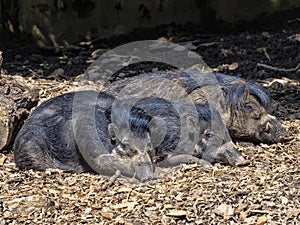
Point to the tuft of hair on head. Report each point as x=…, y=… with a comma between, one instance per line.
x=261, y=94
x=139, y=122
x=237, y=91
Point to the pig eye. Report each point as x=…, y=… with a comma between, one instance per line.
x=249, y=108
x=209, y=134
x=125, y=143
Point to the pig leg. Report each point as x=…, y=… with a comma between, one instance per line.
x=175, y=160
x=108, y=164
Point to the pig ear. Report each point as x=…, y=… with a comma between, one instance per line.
x=237, y=92
x=261, y=94
x=112, y=131
x=192, y=125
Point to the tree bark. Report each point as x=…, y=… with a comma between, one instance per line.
x=16, y=100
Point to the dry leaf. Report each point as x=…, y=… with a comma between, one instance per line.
x=224, y=210
x=125, y=205
x=27, y=203
x=243, y=215
x=52, y=191
x=88, y=210
x=2, y=159
x=295, y=211
x=297, y=37
x=106, y=215
x=233, y=66
x=124, y=189
x=177, y=213
x=65, y=195
x=168, y=206
x=284, y=200
x=179, y=197
x=261, y=220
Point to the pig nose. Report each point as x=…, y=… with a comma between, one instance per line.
x=237, y=160
x=233, y=156
x=276, y=131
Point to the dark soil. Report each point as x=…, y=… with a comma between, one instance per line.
x=273, y=45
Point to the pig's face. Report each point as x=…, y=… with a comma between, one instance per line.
x=215, y=144
x=137, y=151
x=254, y=123
x=226, y=153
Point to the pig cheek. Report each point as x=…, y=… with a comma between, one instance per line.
x=201, y=150
x=256, y=115
x=248, y=130
x=210, y=154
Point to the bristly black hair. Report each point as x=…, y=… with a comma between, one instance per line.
x=139, y=122
x=261, y=94
x=237, y=92
x=204, y=111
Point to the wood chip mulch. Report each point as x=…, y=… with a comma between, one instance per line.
x=265, y=192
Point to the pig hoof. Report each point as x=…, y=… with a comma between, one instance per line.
x=205, y=164
x=245, y=163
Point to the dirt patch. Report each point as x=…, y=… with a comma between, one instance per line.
x=265, y=192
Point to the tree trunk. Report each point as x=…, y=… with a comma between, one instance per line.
x=16, y=100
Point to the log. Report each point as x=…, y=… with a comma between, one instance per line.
x=16, y=100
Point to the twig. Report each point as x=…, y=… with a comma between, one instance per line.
x=263, y=211
x=294, y=20
x=264, y=51
x=208, y=44
x=266, y=54
x=278, y=69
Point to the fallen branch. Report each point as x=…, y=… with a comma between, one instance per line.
x=294, y=20
x=278, y=69
x=16, y=101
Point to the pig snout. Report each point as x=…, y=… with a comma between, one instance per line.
x=231, y=155
x=143, y=166
x=272, y=131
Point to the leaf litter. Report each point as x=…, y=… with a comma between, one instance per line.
x=265, y=192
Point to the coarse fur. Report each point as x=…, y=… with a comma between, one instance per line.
x=243, y=106
x=176, y=128
x=47, y=139
x=70, y=132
